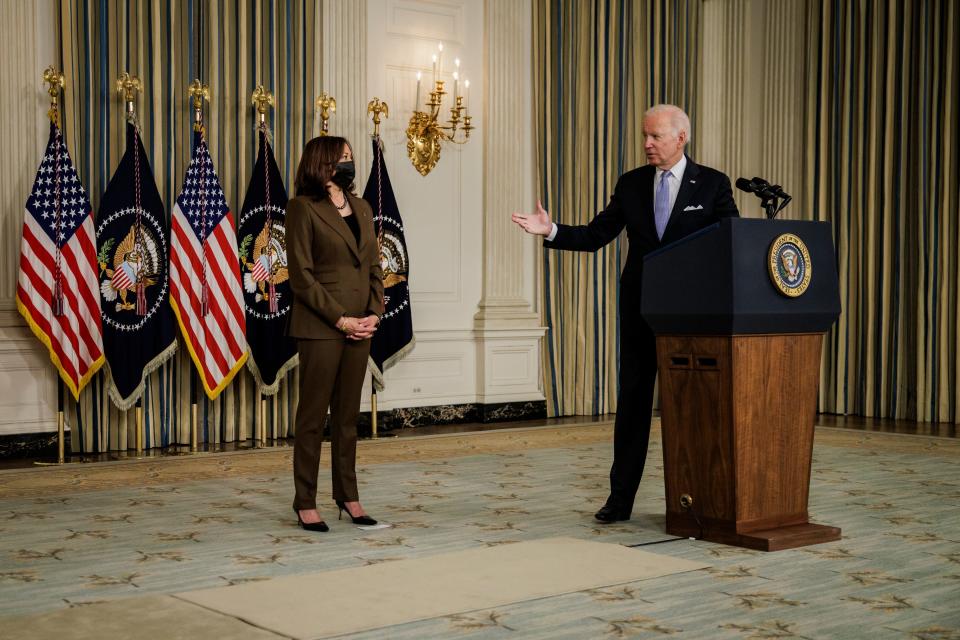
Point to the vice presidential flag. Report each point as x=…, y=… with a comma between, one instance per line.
x=263, y=265
x=57, y=291
x=133, y=248
x=205, y=289
x=394, y=337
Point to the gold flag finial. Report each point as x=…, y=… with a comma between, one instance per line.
x=262, y=100
x=327, y=105
x=375, y=108
x=127, y=87
x=199, y=92
x=55, y=81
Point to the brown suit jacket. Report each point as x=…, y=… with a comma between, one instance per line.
x=331, y=276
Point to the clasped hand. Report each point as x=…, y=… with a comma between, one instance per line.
x=537, y=223
x=359, y=328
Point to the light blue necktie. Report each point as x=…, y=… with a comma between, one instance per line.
x=661, y=204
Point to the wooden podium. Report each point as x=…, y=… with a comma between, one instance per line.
x=739, y=310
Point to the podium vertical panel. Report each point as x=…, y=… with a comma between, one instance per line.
x=698, y=444
x=775, y=403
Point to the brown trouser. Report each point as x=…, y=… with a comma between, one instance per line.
x=331, y=376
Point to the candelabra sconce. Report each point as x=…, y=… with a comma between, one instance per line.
x=327, y=105
x=425, y=133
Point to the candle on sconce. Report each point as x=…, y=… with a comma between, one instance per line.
x=434, y=69
x=416, y=104
x=456, y=73
x=466, y=99
x=456, y=83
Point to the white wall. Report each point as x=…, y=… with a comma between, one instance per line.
x=28, y=392
x=455, y=360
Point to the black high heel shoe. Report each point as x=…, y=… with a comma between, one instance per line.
x=311, y=526
x=365, y=520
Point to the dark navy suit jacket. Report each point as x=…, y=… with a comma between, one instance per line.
x=705, y=196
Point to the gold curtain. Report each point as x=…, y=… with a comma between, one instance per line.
x=598, y=66
x=232, y=47
x=882, y=167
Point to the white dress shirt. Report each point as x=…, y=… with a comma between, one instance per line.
x=676, y=171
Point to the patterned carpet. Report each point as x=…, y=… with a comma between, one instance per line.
x=88, y=533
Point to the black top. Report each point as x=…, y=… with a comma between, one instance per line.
x=354, y=226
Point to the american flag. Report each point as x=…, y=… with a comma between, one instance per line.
x=58, y=215
x=205, y=288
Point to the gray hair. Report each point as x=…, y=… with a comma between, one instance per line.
x=678, y=117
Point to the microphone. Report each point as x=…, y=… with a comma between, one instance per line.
x=761, y=187
x=747, y=185
x=768, y=194
x=774, y=190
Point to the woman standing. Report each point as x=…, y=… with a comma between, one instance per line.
x=337, y=288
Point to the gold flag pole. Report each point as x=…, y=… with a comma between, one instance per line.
x=199, y=92
x=54, y=80
x=127, y=88
x=262, y=102
x=140, y=434
x=327, y=105
x=375, y=108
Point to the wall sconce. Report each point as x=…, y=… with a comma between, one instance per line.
x=425, y=133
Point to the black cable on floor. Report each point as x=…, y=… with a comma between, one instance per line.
x=647, y=544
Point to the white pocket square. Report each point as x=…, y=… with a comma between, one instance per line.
x=691, y=207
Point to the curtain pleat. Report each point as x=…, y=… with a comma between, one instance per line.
x=883, y=170
x=232, y=47
x=597, y=67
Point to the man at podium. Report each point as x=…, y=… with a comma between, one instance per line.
x=669, y=198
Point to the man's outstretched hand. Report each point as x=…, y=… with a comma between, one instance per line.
x=537, y=223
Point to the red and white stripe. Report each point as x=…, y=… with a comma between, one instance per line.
x=259, y=272
x=121, y=280
x=217, y=341
x=75, y=339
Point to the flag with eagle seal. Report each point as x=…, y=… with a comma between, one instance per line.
x=263, y=267
x=133, y=243
x=394, y=338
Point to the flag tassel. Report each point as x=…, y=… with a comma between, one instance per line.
x=141, y=299
x=204, y=300
x=274, y=307
x=57, y=302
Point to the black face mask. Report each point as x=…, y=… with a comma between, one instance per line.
x=345, y=174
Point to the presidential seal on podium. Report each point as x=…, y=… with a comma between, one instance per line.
x=790, y=266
